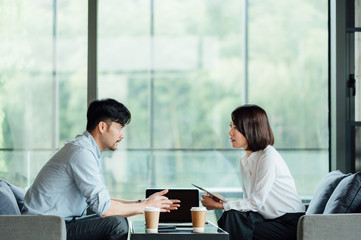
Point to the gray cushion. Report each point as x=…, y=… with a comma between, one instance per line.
x=323, y=192
x=32, y=228
x=329, y=227
x=8, y=204
x=19, y=194
x=347, y=196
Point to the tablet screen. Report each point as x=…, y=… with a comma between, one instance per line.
x=214, y=196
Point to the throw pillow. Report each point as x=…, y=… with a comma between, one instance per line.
x=8, y=204
x=347, y=196
x=18, y=192
x=324, y=191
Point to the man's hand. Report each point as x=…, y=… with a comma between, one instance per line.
x=160, y=201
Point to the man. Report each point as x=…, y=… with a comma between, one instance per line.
x=71, y=181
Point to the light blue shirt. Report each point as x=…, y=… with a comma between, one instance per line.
x=70, y=182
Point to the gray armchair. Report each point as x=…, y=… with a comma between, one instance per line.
x=14, y=226
x=329, y=227
x=32, y=227
x=335, y=209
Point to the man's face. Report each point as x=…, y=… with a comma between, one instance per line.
x=113, y=135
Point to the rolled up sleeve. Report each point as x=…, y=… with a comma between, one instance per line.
x=88, y=178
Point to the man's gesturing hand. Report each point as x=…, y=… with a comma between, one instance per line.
x=160, y=201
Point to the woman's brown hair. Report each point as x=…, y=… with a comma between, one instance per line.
x=252, y=122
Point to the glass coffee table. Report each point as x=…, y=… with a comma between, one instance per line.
x=211, y=232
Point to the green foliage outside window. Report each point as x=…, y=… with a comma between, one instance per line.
x=194, y=59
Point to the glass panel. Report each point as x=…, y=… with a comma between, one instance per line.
x=308, y=167
x=358, y=76
x=126, y=173
x=42, y=82
x=289, y=70
x=357, y=13
x=191, y=113
x=26, y=74
x=71, y=64
x=178, y=66
x=198, y=66
x=26, y=109
x=168, y=170
x=132, y=90
x=21, y=167
x=182, y=168
x=124, y=62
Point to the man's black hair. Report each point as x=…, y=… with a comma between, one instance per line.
x=105, y=110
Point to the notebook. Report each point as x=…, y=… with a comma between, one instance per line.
x=182, y=216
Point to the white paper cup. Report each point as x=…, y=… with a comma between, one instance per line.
x=198, y=219
x=151, y=230
x=151, y=219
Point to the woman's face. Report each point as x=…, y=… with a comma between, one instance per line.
x=237, y=138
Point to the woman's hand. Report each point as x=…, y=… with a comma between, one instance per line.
x=211, y=203
x=160, y=201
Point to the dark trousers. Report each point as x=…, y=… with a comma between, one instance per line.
x=93, y=227
x=252, y=226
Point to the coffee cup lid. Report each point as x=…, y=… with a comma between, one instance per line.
x=152, y=209
x=198, y=209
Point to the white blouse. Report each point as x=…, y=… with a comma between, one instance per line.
x=268, y=187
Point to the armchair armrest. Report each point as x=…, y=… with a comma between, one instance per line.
x=329, y=226
x=32, y=227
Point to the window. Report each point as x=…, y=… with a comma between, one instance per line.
x=353, y=66
x=42, y=82
x=181, y=67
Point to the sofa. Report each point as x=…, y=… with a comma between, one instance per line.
x=15, y=226
x=335, y=209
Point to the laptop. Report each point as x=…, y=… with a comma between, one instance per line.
x=182, y=216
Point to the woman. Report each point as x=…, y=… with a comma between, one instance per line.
x=270, y=207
